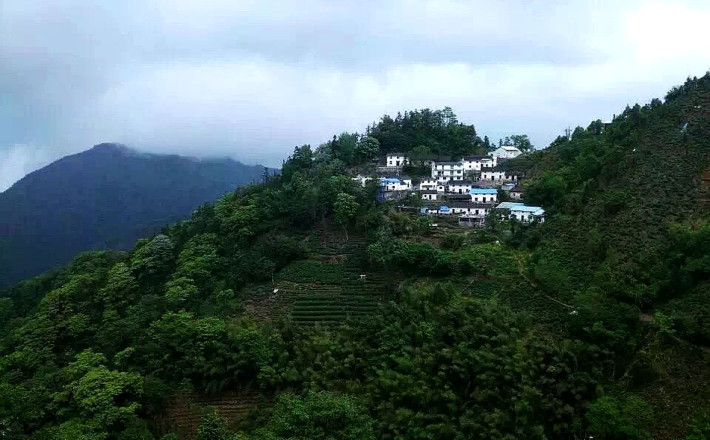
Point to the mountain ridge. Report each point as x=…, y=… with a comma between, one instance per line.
x=92, y=190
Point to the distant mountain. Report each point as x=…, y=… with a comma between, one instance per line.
x=106, y=197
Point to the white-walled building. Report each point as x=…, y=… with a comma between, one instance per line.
x=476, y=163
x=484, y=195
x=362, y=180
x=492, y=175
x=506, y=152
x=468, y=209
x=514, y=176
x=395, y=184
x=429, y=195
x=396, y=159
x=516, y=193
x=459, y=186
x=447, y=171
x=523, y=212
x=428, y=184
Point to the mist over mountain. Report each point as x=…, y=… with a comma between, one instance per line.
x=105, y=197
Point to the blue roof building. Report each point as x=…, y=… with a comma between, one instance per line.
x=482, y=191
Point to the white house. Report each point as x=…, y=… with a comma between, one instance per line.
x=427, y=184
x=506, y=152
x=516, y=193
x=431, y=210
x=395, y=184
x=429, y=195
x=523, y=212
x=492, y=175
x=362, y=180
x=484, y=195
x=475, y=163
x=447, y=171
x=514, y=176
x=396, y=159
x=468, y=209
x=459, y=186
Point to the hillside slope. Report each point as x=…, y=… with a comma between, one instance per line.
x=106, y=197
x=303, y=308
x=618, y=190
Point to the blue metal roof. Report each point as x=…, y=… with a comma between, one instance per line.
x=483, y=191
x=389, y=180
x=525, y=208
x=443, y=208
x=516, y=206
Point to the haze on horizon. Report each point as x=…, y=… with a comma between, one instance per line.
x=252, y=79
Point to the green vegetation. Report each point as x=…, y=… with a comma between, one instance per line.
x=342, y=318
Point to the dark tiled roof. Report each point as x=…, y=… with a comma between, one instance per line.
x=470, y=205
x=476, y=158
x=459, y=196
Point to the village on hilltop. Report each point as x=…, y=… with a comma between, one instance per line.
x=469, y=188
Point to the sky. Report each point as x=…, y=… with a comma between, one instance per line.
x=252, y=79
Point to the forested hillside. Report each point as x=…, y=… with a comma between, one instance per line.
x=106, y=197
x=301, y=308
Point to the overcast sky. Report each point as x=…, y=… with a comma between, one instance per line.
x=252, y=79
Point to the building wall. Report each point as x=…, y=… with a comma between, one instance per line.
x=505, y=154
x=396, y=161
x=524, y=216
x=484, y=198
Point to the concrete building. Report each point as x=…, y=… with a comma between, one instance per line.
x=522, y=212
x=396, y=159
x=484, y=195
x=447, y=171
x=506, y=152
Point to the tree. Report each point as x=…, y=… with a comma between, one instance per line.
x=107, y=398
x=520, y=141
x=345, y=208
x=367, y=148
x=153, y=260
x=619, y=419
x=212, y=427
x=699, y=427
x=317, y=416
x=121, y=287
x=420, y=153
x=344, y=147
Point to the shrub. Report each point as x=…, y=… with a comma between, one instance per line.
x=453, y=241
x=621, y=419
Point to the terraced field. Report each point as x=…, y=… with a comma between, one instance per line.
x=183, y=413
x=328, y=288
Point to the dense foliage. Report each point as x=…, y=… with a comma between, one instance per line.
x=350, y=320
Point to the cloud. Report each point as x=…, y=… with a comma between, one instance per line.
x=19, y=160
x=252, y=79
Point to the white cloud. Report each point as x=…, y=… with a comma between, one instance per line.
x=253, y=79
x=18, y=160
